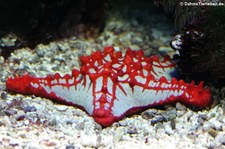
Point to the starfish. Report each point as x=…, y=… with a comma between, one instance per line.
x=111, y=85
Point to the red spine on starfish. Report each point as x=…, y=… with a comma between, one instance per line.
x=111, y=85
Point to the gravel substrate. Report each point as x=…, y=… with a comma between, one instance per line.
x=34, y=122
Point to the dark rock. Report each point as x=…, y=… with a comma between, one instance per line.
x=3, y=95
x=132, y=131
x=173, y=124
x=20, y=117
x=158, y=119
x=70, y=147
x=149, y=114
x=10, y=112
x=29, y=109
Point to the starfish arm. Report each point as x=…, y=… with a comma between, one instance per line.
x=69, y=89
x=196, y=95
x=133, y=99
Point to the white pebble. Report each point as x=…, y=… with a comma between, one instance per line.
x=168, y=129
x=217, y=125
x=14, y=142
x=89, y=140
x=61, y=107
x=26, y=122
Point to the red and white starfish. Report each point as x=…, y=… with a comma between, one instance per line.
x=110, y=85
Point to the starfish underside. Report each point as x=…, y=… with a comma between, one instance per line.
x=110, y=85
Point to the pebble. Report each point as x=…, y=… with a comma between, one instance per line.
x=212, y=132
x=8, y=40
x=202, y=118
x=3, y=95
x=132, y=131
x=10, y=111
x=118, y=134
x=180, y=106
x=1, y=59
x=136, y=40
x=14, y=142
x=70, y=147
x=117, y=48
x=170, y=115
x=149, y=114
x=89, y=140
x=165, y=39
x=61, y=107
x=156, y=33
x=158, y=119
x=26, y=122
x=29, y=108
x=165, y=49
x=64, y=46
x=6, y=121
x=173, y=124
x=155, y=44
x=168, y=129
x=220, y=140
x=217, y=125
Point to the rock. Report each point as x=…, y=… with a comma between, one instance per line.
x=149, y=114
x=6, y=121
x=165, y=49
x=14, y=142
x=180, y=106
x=3, y=95
x=89, y=140
x=168, y=129
x=1, y=59
x=217, y=125
x=220, y=140
x=26, y=122
x=158, y=119
x=61, y=107
x=156, y=33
